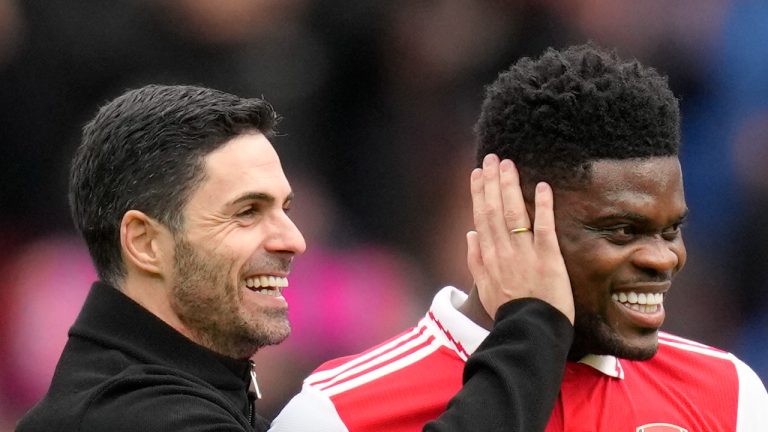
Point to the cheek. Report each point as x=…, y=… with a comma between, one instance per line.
x=234, y=251
x=592, y=271
x=585, y=283
x=580, y=274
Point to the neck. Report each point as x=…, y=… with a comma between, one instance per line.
x=153, y=294
x=473, y=309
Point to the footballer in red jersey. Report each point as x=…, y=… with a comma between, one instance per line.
x=605, y=134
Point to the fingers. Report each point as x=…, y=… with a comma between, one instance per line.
x=493, y=208
x=507, y=266
x=504, y=204
x=477, y=187
x=555, y=278
x=498, y=206
x=515, y=214
x=545, y=237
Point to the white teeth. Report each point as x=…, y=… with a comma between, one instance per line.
x=266, y=282
x=271, y=292
x=646, y=302
x=641, y=298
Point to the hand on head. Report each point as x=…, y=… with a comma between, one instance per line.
x=508, y=258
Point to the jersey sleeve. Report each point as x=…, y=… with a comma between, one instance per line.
x=310, y=410
x=753, y=400
x=512, y=381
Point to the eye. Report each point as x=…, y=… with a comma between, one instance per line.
x=287, y=206
x=621, y=234
x=247, y=212
x=672, y=232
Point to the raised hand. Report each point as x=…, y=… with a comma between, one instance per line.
x=507, y=257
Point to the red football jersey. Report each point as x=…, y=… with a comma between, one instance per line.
x=403, y=383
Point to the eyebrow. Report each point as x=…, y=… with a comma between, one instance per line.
x=639, y=218
x=259, y=196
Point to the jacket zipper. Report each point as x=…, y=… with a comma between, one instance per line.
x=253, y=393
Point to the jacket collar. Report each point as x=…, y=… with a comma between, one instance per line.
x=114, y=320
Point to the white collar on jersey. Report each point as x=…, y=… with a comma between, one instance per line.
x=606, y=364
x=458, y=332
x=463, y=336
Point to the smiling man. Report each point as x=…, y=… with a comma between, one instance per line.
x=237, y=236
x=604, y=133
x=621, y=234
x=183, y=204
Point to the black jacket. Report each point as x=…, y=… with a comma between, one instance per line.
x=123, y=369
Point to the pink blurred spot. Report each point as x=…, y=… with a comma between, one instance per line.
x=48, y=281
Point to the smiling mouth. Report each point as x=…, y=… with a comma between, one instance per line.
x=268, y=285
x=640, y=302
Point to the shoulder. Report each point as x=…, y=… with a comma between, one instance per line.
x=309, y=410
x=678, y=349
x=148, y=379
x=148, y=398
x=410, y=376
x=680, y=354
x=721, y=371
x=712, y=365
x=410, y=354
x=158, y=411
x=155, y=398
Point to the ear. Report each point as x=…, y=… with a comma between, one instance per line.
x=145, y=242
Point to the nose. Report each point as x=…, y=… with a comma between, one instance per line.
x=285, y=236
x=660, y=256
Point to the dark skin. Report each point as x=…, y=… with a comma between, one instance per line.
x=620, y=237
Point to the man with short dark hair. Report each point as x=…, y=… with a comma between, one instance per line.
x=604, y=133
x=183, y=204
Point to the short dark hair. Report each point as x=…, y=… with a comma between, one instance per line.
x=555, y=115
x=144, y=150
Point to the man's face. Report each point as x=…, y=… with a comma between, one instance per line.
x=621, y=241
x=235, y=251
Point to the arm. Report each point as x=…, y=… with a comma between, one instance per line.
x=512, y=381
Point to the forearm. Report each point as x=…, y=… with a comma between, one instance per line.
x=512, y=381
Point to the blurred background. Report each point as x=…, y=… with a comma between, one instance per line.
x=378, y=100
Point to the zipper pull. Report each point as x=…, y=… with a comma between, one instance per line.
x=253, y=388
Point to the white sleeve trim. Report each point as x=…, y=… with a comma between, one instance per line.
x=310, y=410
x=753, y=400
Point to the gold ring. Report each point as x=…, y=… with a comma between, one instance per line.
x=519, y=230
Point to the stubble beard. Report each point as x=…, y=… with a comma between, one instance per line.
x=594, y=335
x=211, y=307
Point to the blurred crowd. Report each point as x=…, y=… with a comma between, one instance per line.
x=378, y=100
